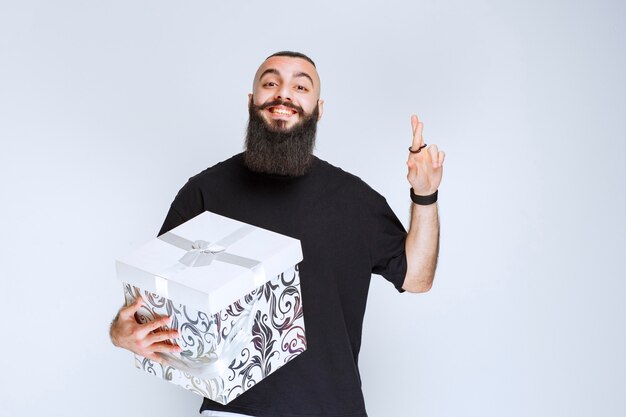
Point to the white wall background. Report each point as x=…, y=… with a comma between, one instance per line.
x=106, y=108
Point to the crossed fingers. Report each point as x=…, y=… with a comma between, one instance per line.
x=435, y=157
x=425, y=165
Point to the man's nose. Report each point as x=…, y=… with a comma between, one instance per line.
x=283, y=94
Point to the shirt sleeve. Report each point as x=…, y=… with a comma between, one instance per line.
x=188, y=203
x=387, y=243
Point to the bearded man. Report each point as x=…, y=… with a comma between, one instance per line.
x=347, y=231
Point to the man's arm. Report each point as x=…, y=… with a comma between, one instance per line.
x=422, y=248
x=422, y=242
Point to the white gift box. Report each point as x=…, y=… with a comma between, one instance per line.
x=233, y=292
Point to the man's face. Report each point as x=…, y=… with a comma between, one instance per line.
x=286, y=90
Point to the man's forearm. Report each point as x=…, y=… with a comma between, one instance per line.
x=422, y=248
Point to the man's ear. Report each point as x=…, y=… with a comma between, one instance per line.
x=320, y=105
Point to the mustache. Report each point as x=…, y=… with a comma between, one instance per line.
x=280, y=103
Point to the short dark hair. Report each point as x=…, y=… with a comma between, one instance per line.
x=292, y=54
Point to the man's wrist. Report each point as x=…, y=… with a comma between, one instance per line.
x=424, y=200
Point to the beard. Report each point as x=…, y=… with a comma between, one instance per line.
x=271, y=148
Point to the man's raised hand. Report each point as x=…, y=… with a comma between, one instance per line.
x=425, y=167
x=147, y=339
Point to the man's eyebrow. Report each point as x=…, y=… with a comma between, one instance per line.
x=269, y=71
x=304, y=74
x=276, y=72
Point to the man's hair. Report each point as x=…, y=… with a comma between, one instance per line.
x=292, y=54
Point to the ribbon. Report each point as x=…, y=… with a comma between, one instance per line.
x=203, y=253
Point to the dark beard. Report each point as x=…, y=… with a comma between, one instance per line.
x=272, y=149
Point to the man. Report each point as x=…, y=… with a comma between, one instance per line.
x=346, y=229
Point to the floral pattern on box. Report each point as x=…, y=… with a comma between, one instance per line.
x=229, y=352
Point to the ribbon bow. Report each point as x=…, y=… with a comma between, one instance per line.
x=202, y=253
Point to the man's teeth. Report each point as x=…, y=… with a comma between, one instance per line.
x=281, y=111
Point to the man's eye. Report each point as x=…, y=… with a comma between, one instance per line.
x=301, y=88
x=270, y=84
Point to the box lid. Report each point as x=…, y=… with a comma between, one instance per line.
x=209, y=261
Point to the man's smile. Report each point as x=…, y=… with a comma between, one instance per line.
x=281, y=112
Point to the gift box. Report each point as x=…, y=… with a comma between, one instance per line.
x=233, y=292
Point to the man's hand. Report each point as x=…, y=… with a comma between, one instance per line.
x=146, y=340
x=425, y=167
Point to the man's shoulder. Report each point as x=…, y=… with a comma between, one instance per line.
x=339, y=174
x=346, y=179
x=219, y=170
